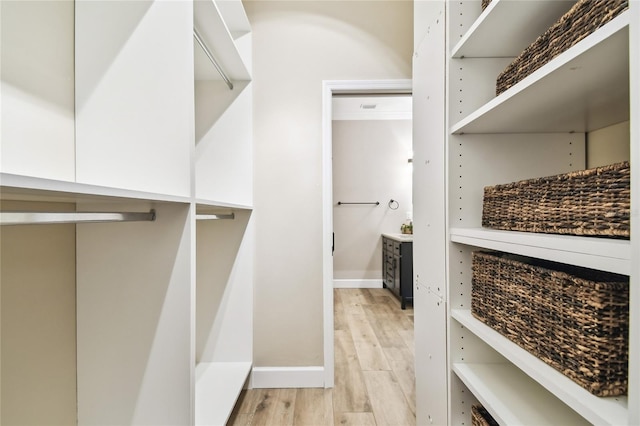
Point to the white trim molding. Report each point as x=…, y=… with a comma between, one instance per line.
x=357, y=283
x=287, y=377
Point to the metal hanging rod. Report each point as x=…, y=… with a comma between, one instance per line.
x=377, y=203
x=212, y=58
x=41, y=218
x=215, y=216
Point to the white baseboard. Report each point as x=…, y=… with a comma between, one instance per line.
x=287, y=377
x=357, y=283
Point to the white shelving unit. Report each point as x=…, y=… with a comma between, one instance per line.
x=143, y=322
x=538, y=127
x=534, y=375
x=594, y=91
x=224, y=249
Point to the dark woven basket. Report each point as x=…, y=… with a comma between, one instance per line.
x=574, y=319
x=485, y=3
x=481, y=417
x=594, y=202
x=582, y=19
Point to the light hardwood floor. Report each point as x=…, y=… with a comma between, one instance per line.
x=374, y=371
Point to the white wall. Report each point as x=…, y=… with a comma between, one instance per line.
x=297, y=45
x=38, y=321
x=608, y=145
x=369, y=164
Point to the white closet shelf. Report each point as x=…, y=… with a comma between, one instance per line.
x=218, y=385
x=605, y=254
x=505, y=28
x=211, y=25
x=493, y=385
x=234, y=15
x=610, y=411
x=26, y=188
x=583, y=89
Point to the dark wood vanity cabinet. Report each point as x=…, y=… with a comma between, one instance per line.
x=397, y=268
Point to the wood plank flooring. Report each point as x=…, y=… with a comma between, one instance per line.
x=374, y=371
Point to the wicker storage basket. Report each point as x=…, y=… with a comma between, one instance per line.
x=481, y=417
x=593, y=202
x=574, y=319
x=485, y=3
x=581, y=20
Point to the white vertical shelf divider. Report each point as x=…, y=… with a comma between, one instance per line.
x=133, y=294
x=133, y=131
x=429, y=215
x=634, y=314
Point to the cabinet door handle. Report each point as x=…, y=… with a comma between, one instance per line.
x=333, y=242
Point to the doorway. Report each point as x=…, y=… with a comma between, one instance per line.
x=329, y=90
x=372, y=179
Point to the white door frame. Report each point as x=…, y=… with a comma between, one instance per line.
x=329, y=88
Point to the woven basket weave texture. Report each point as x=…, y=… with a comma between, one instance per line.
x=574, y=319
x=582, y=19
x=595, y=202
x=481, y=417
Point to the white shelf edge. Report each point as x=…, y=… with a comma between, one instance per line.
x=611, y=255
x=18, y=187
x=493, y=385
x=218, y=385
x=611, y=411
x=528, y=83
x=27, y=188
x=531, y=20
x=210, y=23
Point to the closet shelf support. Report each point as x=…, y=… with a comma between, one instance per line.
x=212, y=58
x=215, y=216
x=42, y=218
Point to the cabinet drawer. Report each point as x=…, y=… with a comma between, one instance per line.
x=396, y=248
x=388, y=267
x=389, y=281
